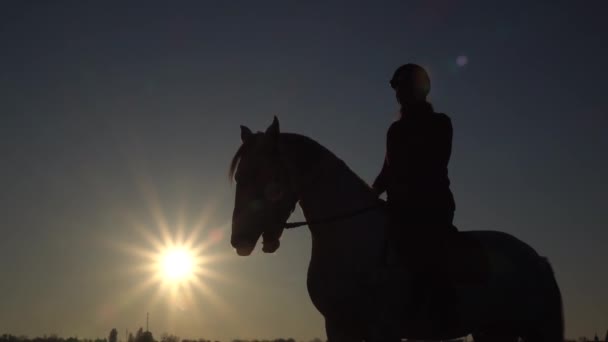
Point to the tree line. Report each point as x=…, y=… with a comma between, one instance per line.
x=139, y=336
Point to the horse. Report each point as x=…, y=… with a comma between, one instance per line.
x=359, y=294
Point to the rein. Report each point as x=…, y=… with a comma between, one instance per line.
x=290, y=225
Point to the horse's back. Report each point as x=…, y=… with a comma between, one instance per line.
x=500, y=244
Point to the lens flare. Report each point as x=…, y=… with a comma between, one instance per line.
x=462, y=60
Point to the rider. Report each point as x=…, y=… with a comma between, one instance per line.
x=415, y=177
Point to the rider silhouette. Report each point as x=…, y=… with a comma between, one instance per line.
x=415, y=177
x=418, y=148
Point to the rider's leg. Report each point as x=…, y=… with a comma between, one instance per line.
x=445, y=291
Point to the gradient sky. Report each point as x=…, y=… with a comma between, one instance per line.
x=115, y=116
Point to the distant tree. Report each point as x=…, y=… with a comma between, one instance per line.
x=113, y=335
x=146, y=337
x=131, y=338
x=169, y=338
x=139, y=335
x=9, y=338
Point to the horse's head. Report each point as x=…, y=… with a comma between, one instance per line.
x=264, y=197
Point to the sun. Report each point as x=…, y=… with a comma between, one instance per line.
x=177, y=264
x=173, y=263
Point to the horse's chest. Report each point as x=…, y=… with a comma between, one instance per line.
x=335, y=288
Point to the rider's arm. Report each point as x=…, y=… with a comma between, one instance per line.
x=400, y=158
x=381, y=181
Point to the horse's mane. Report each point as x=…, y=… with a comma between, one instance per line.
x=301, y=142
x=246, y=146
x=309, y=152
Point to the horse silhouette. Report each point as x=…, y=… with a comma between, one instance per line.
x=515, y=295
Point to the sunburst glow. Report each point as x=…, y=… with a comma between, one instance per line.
x=173, y=263
x=177, y=264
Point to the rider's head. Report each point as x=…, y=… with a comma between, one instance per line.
x=411, y=83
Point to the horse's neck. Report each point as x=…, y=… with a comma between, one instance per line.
x=334, y=190
x=327, y=187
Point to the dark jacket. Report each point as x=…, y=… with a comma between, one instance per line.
x=415, y=170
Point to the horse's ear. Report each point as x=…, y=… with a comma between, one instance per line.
x=245, y=133
x=273, y=130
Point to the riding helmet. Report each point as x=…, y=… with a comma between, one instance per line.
x=412, y=76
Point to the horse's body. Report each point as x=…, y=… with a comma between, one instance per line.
x=363, y=299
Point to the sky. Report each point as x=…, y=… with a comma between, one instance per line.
x=119, y=121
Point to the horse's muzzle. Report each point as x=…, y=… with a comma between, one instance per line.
x=270, y=246
x=244, y=250
x=243, y=245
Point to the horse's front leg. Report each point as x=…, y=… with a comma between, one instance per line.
x=380, y=329
x=384, y=306
x=382, y=323
x=340, y=330
x=383, y=334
